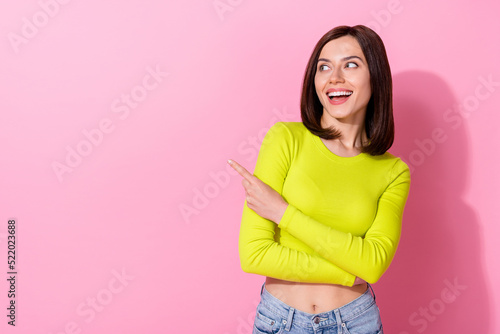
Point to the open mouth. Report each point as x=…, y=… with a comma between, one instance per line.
x=341, y=94
x=339, y=97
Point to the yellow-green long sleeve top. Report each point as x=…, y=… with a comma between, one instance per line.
x=343, y=218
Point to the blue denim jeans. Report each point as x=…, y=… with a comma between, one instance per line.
x=361, y=316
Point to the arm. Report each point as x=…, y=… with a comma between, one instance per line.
x=259, y=253
x=367, y=257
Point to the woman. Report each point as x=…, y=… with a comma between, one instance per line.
x=323, y=210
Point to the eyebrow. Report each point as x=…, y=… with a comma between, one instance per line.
x=343, y=59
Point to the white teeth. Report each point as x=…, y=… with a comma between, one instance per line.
x=341, y=93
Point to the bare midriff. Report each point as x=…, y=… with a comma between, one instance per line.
x=313, y=297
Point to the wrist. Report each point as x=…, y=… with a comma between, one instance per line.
x=281, y=212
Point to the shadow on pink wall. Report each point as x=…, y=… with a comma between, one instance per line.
x=436, y=282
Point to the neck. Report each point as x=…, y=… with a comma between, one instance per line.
x=353, y=135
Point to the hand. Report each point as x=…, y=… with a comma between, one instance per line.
x=260, y=197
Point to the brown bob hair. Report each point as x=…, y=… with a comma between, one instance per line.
x=379, y=121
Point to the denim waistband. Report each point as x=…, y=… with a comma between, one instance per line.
x=344, y=313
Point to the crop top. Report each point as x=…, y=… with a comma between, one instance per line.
x=343, y=218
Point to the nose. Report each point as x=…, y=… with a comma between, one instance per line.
x=336, y=75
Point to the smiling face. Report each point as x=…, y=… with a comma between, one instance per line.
x=342, y=82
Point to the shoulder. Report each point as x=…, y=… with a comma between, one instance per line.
x=288, y=136
x=390, y=165
x=291, y=130
x=399, y=168
x=398, y=164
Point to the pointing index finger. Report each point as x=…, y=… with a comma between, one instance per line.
x=240, y=169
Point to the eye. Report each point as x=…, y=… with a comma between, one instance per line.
x=323, y=67
x=351, y=64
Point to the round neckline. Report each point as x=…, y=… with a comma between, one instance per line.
x=326, y=151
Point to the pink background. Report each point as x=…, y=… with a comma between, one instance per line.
x=149, y=199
